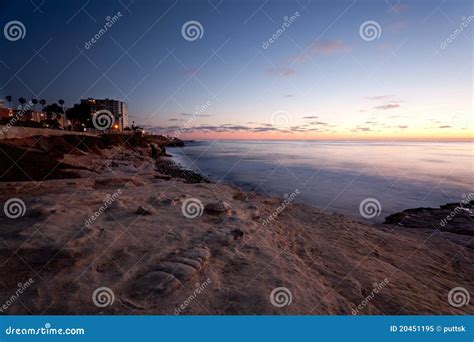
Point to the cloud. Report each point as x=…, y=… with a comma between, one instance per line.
x=323, y=47
x=387, y=106
x=289, y=95
x=176, y=119
x=402, y=126
x=189, y=114
x=397, y=8
x=319, y=123
x=328, y=47
x=310, y=117
x=380, y=97
x=397, y=26
x=282, y=71
x=233, y=128
x=445, y=126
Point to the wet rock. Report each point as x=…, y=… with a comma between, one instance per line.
x=217, y=208
x=254, y=211
x=240, y=196
x=162, y=176
x=146, y=209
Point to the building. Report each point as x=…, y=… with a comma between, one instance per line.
x=118, y=108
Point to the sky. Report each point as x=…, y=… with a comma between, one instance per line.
x=263, y=69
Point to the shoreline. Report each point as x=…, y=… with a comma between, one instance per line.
x=158, y=238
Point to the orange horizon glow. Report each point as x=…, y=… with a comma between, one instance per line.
x=465, y=137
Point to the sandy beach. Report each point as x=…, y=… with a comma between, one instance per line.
x=118, y=228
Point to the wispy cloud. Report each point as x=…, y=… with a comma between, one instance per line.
x=190, y=114
x=329, y=46
x=398, y=8
x=323, y=47
x=281, y=71
x=387, y=106
x=445, y=126
x=380, y=97
x=310, y=117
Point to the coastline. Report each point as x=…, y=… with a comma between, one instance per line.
x=171, y=230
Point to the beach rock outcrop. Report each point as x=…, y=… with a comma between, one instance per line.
x=146, y=209
x=217, y=208
x=170, y=274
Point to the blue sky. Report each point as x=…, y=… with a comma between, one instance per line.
x=402, y=83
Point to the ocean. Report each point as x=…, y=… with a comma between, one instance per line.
x=339, y=176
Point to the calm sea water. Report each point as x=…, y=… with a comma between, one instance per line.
x=338, y=176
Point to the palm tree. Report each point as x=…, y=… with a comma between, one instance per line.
x=61, y=103
x=34, y=102
x=42, y=102
x=22, y=101
x=9, y=99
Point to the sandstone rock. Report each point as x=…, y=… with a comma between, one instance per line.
x=217, y=208
x=146, y=209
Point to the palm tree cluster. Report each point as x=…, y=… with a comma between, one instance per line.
x=22, y=101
